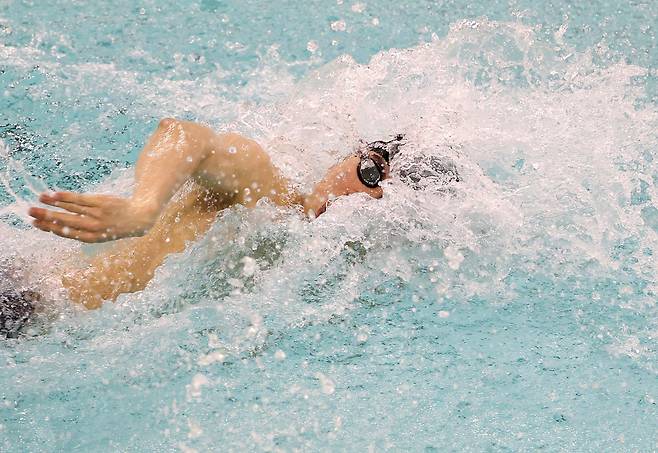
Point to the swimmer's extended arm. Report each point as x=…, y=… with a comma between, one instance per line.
x=176, y=152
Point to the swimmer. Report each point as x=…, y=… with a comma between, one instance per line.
x=184, y=176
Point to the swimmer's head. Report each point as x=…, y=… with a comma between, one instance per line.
x=343, y=179
x=417, y=171
x=386, y=149
x=359, y=173
x=363, y=172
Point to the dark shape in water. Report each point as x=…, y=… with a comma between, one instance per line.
x=15, y=311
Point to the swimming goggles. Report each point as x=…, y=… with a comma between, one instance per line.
x=372, y=172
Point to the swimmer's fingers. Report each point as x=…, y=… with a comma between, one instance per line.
x=80, y=199
x=80, y=222
x=72, y=207
x=70, y=233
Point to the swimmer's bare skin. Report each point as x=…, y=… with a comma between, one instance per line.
x=184, y=176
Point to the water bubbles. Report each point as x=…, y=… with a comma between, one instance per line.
x=232, y=150
x=338, y=423
x=194, y=429
x=443, y=314
x=338, y=25
x=249, y=266
x=358, y=7
x=189, y=159
x=279, y=355
x=327, y=385
x=236, y=283
x=312, y=46
x=625, y=290
x=454, y=257
x=194, y=388
x=213, y=341
x=209, y=359
x=375, y=21
x=185, y=449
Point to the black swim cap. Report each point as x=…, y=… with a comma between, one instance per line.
x=387, y=149
x=432, y=172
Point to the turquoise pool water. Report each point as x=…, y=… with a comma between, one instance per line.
x=515, y=311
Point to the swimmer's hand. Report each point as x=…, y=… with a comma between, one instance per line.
x=93, y=218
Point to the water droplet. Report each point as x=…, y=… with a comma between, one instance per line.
x=327, y=385
x=454, y=257
x=358, y=7
x=211, y=358
x=249, y=266
x=195, y=429
x=232, y=150
x=235, y=282
x=338, y=25
x=194, y=388
x=312, y=46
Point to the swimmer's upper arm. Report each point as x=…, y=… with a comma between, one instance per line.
x=234, y=162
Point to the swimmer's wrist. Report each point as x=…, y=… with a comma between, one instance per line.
x=144, y=210
x=314, y=204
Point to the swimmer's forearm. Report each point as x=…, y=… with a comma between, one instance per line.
x=171, y=156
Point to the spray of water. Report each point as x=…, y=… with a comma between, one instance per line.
x=557, y=183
